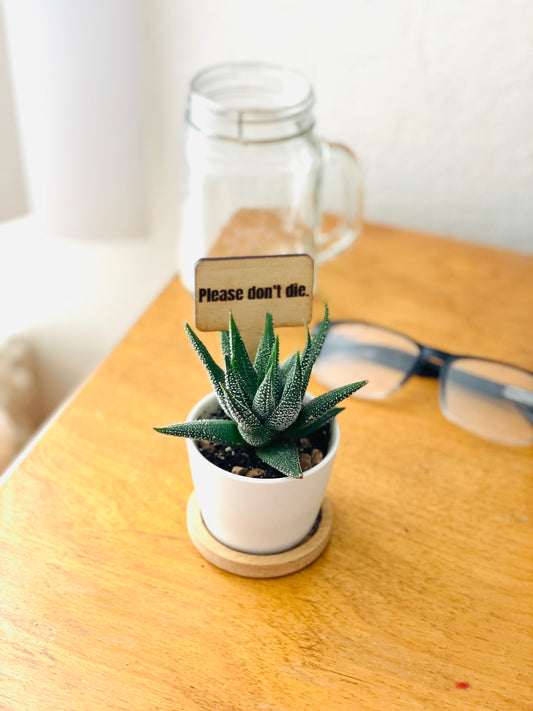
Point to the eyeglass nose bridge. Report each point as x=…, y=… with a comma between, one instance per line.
x=431, y=362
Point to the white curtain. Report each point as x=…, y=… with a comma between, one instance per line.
x=13, y=198
x=76, y=148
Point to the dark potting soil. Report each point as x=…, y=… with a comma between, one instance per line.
x=243, y=460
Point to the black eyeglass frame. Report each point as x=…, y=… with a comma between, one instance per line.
x=435, y=363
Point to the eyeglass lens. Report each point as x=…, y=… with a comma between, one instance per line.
x=353, y=349
x=490, y=399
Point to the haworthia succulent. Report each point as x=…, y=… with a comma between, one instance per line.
x=265, y=400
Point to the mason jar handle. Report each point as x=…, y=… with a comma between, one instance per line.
x=341, y=222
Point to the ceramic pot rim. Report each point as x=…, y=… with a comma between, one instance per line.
x=282, y=481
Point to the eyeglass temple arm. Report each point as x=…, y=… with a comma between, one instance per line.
x=523, y=399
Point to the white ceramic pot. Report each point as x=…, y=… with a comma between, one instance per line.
x=260, y=516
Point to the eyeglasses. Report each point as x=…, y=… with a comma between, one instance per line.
x=490, y=399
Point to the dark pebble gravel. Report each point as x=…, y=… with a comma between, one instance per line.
x=228, y=457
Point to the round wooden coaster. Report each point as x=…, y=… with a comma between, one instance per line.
x=249, y=565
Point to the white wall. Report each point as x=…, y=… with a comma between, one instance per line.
x=434, y=95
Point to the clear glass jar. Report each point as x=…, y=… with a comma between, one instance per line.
x=257, y=177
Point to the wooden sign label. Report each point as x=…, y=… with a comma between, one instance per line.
x=250, y=287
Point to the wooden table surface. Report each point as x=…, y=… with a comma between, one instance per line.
x=423, y=598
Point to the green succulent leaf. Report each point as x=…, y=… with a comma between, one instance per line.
x=221, y=431
x=283, y=456
x=215, y=372
x=286, y=367
x=265, y=399
x=224, y=344
x=235, y=384
x=266, y=344
x=240, y=410
x=241, y=360
x=321, y=404
x=257, y=436
x=305, y=427
x=290, y=403
x=222, y=399
x=313, y=348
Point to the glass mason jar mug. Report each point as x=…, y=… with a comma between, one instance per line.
x=258, y=181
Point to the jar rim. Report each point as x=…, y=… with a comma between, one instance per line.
x=247, y=94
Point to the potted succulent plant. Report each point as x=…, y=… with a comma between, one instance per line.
x=260, y=415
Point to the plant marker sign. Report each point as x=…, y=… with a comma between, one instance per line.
x=250, y=287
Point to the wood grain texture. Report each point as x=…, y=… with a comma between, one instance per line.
x=422, y=600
